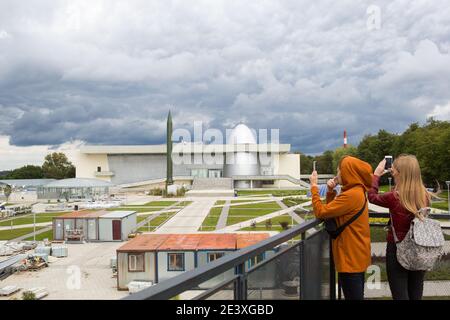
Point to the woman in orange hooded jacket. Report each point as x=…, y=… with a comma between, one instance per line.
x=351, y=249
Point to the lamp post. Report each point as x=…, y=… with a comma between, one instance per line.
x=448, y=195
x=34, y=226
x=390, y=179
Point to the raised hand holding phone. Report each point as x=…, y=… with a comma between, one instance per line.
x=313, y=179
x=381, y=168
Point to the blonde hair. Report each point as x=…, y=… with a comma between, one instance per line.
x=408, y=183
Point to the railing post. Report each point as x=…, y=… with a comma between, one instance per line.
x=332, y=272
x=301, y=264
x=240, y=286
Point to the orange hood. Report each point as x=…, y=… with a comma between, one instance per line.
x=355, y=172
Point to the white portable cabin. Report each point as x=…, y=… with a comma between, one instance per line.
x=95, y=225
x=116, y=225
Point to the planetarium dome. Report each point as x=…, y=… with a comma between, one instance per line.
x=242, y=163
x=241, y=134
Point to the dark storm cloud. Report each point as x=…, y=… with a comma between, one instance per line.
x=107, y=72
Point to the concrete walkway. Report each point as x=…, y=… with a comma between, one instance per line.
x=379, y=248
x=291, y=213
x=248, y=223
x=430, y=289
x=222, y=222
x=155, y=214
x=190, y=218
x=249, y=202
x=21, y=238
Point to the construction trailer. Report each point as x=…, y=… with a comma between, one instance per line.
x=88, y=225
x=153, y=258
x=116, y=225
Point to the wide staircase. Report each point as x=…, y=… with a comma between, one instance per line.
x=211, y=187
x=212, y=184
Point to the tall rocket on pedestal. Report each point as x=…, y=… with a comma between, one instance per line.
x=169, y=178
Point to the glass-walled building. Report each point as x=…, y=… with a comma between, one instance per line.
x=74, y=189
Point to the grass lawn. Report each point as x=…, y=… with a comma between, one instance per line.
x=211, y=219
x=290, y=202
x=44, y=235
x=28, y=219
x=384, y=188
x=440, y=205
x=261, y=226
x=15, y=233
x=304, y=215
x=248, y=211
x=276, y=192
x=160, y=203
x=377, y=234
x=156, y=222
x=137, y=209
x=143, y=217
x=184, y=203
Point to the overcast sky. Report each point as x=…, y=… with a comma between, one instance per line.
x=107, y=72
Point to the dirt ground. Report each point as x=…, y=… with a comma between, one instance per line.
x=84, y=274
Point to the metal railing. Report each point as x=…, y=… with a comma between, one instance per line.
x=300, y=267
x=237, y=282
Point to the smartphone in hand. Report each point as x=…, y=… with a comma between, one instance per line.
x=388, y=165
x=314, y=166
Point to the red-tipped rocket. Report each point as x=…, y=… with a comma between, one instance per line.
x=345, y=138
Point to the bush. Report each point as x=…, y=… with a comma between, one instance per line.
x=156, y=192
x=181, y=192
x=284, y=225
x=27, y=295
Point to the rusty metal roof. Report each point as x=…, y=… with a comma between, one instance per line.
x=213, y=241
x=191, y=242
x=144, y=242
x=247, y=239
x=82, y=214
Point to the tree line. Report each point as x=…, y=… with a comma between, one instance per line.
x=430, y=143
x=55, y=166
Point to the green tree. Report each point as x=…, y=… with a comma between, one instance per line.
x=340, y=152
x=430, y=143
x=372, y=149
x=57, y=166
x=26, y=172
x=306, y=163
x=324, y=163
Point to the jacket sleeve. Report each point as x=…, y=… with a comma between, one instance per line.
x=339, y=206
x=330, y=196
x=376, y=198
